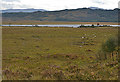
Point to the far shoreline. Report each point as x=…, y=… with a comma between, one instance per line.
x=30, y=22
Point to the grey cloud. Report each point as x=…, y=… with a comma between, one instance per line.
x=24, y=6
x=98, y=2
x=11, y=0
x=11, y=6
x=7, y=6
x=119, y=4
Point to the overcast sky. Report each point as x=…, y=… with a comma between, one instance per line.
x=57, y=4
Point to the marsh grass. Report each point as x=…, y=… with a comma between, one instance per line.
x=56, y=54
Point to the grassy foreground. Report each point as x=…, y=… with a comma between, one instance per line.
x=43, y=53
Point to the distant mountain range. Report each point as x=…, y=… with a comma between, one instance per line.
x=22, y=10
x=78, y=15
x=95, y=8
x=33, y=10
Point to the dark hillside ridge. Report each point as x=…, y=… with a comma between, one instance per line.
x=77, y=15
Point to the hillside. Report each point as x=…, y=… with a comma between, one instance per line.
x=81, y=15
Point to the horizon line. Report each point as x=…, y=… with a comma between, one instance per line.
x=61, y=9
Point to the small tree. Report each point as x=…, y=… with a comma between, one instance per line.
x=93, y=26
x=109, y=47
